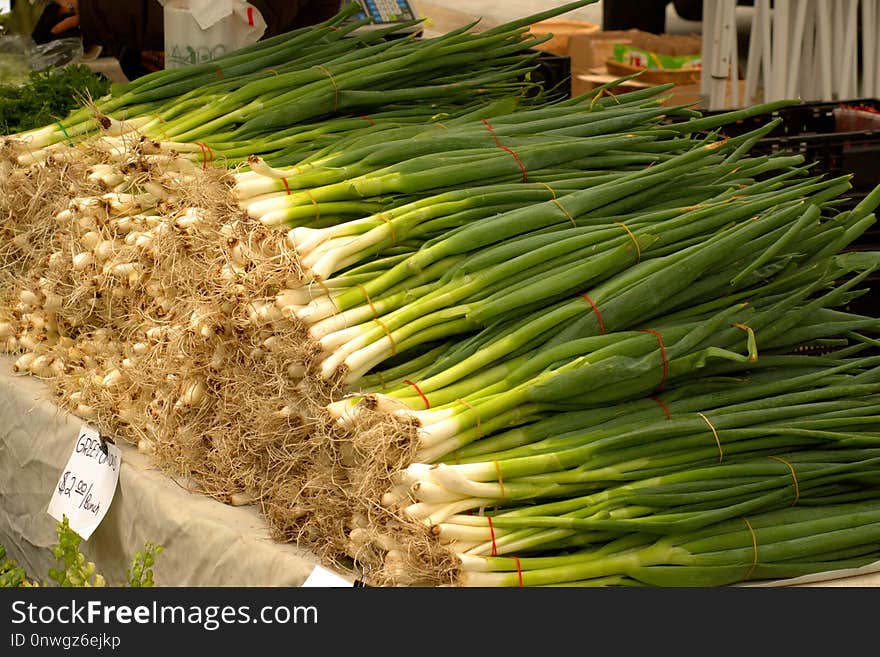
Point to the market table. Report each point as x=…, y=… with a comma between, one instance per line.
x=207, y=543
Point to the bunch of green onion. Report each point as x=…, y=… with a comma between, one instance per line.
x=286, y=96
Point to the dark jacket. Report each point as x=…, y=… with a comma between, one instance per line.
x=125, y=30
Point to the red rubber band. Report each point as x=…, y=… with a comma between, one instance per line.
x=421, y=394
x=662, y=355
x=518, y=570
x=598, y=314
x=219, y=73
x=366, y=117
x=492, y=533
x=207, y=154
x=663, y=406
x=498, y=143
x=492, y=131
x=250, y=16
x=286, y=186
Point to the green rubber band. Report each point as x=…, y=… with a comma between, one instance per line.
x=64, y=132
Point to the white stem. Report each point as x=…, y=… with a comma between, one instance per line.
x=328, y=264
x=317, y=309
x=304, y=240
x=395, y=496
x=432, y=514
x=392, y=405
x=117, y=128
x=447, y=532
x=466, y=475
x=438, y=432
x=23, y=362
x=265, y=203
x=82, y=260
x=413, y=473
x=437, y=451
x=339, y=322
x=359, y=362
x=473, y=564
x=259, y=166
x=273, y=219
x=90, y=239
x=292, y=299
x=428, y=491
x=344, y=410
x=39, y=138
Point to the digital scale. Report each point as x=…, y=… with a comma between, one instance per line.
x=384, y=13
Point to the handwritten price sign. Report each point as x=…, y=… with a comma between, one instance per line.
x=87, y=484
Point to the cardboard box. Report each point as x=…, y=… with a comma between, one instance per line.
x=589, y=51
x=593, y=49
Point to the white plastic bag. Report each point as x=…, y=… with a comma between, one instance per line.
x=197, y=31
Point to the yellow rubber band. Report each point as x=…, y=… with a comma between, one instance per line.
x=388, y=335
x=315, y=204
x=551, y=190
x=633, y=238
x=479, y=425
x=369, y=300
x=384, y=217
x=603, y=92
x=714, y=433
x=500, y=478
x=326, y=291
x=797, y=491
x=565, y=212
x=754, y=548
x=335, y=86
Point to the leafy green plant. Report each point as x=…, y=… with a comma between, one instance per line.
x=74, y=570
x=11, y=574
x=47, y=96
x=141, y=572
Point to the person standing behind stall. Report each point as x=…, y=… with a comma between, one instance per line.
x=646, y=15
x=133, y=31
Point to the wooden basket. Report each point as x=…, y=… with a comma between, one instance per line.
x=561, y=31
x=655, y=75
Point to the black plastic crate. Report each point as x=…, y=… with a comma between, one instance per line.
x=839, y=137
x=553, y=71
x=811, y=118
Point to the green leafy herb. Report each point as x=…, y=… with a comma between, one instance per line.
x=47, y=96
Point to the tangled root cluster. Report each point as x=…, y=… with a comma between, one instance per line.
x=136, y=287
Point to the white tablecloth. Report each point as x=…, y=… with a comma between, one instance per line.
x=206, y=543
